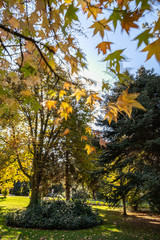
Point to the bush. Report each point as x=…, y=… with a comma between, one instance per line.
x=55, y=215
x=5, y=192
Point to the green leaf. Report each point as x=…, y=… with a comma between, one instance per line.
x=28, y=70
x=115, y=56
x=144, y=37
x=71, y=14
x=115, y=16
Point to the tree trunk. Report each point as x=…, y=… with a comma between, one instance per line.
x=124, y=206
x=93, y=194
x=67, y=176
x=35, y=192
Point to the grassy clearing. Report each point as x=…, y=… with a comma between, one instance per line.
x=134, y=227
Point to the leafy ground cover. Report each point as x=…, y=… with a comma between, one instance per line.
x=137, y=226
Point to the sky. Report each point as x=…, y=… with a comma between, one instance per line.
x=97, y=68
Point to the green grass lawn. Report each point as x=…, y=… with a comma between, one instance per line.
x=134, y=227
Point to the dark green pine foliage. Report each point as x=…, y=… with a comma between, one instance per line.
x=133, y=154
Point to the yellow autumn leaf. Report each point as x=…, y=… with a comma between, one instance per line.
x=68, y=1
x=111, y=115
x=84, y=138
x=153, y=49
x=64, y=105
x=66, y=131
x=79, y=93
x=88, y=130
x=100, y=26
x=103, y=46
x=64, y=115
x=62, y=93
x=89, y=100
x=93, y=10
x=125, y=103
x=26, y=93
x=66, y=85
x=89, y=149
x=51, y=104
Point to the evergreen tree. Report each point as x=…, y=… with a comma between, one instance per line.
x=131, y=159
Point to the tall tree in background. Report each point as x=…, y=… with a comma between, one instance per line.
x=131, y=158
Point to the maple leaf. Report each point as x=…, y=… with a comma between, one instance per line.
x=66, y=131
x=100, y=26
x=114, y=59
x=153, y=49
x=92, y=98
x=105, y=85
x=83, y=3
x=71, y=14
x=79, y=93
x=64, y=105
x=93, y=10
x=51, y=104
x=64, y=115
x=112, y=113
x=128, y=22
x=26, y=93
x=84, y=138
x=88, y=130
x=89, y=149
x=115, y=16
x=144, y=37
x=102, y=142
x=103, y=46
x=125, y=103
x=62, y=93
x=66, y=85
x=68, y=1
x=157, y=25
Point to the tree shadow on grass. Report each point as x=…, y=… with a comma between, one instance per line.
x=2, y=199
x=133, y=223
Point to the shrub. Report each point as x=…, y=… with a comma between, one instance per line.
x=55, y=215
x=5, y=192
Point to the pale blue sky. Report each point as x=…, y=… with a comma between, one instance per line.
x=136, y=58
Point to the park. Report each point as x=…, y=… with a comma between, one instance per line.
x=79, y=159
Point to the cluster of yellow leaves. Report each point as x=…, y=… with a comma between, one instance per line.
x=89, y=149
x=125, y=103
x=65, y=110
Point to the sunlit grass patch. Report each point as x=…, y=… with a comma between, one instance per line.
x=116, y=226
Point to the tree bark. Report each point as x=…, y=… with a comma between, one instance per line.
x=67, y=176
x=124, y=206
x=35, y=192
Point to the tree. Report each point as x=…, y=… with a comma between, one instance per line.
x=38, y=42
x=132, y=154
x=46, y=30
x=44, y=132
